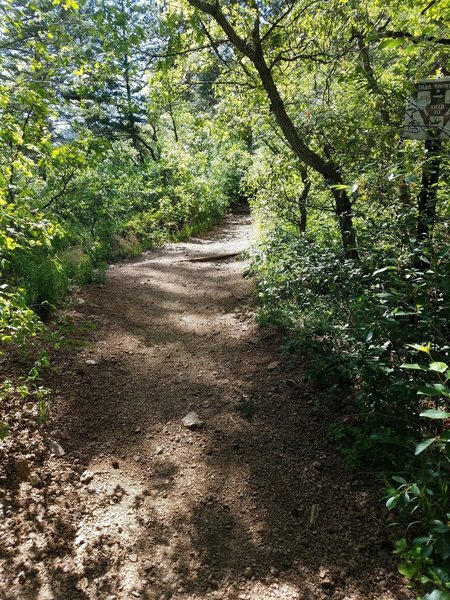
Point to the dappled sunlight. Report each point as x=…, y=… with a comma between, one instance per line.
x=223, y=511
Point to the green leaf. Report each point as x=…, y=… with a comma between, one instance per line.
x=413, y=367
x=71, y=4
x=424, y=445
x=399, y=479
x=437, y=595
x=340, y=186
x=439, y=367
x=369, y=335
x=433, y=413
x=442, y=389
x=391, y=502
x=407, y=570
x=389, y=44
x=421, y=540
x=442, y=572
x=420, y=348
x=439, y=526
x=388, y=268
x=428, y=390
x=442, y=547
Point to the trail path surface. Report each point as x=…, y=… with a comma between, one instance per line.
x=253, y=505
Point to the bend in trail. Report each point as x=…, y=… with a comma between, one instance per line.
x=255, y=504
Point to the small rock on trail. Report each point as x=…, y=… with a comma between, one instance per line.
x=192, y=421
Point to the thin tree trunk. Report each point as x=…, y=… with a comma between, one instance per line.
x=327, y=169
x=427, y=200
x=303, y=199
x=174, y=123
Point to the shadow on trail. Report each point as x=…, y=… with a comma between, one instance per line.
x=246, y=519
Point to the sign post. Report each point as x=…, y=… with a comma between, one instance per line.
x=428, y=111
x=428, y=118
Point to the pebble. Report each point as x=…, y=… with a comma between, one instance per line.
x=133, y=557
x=248, y=573
x=34, y=479
x=86, y=477
x=192, y=421
x=56, y=449
x=273, y=365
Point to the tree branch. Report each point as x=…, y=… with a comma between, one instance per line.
x=415, y=39
x=62, y=191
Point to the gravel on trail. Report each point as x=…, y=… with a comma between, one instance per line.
x=186, y=456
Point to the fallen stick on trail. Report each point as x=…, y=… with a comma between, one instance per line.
x=212, y=257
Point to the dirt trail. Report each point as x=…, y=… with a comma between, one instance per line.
x=254, y=505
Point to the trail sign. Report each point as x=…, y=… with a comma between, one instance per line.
x=428, y=111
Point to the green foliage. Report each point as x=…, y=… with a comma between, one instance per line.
x=356, y=325
x=426, y=501
x=134, y=137
x=30, y=390
x=43, y=404
x=17, y=320
x=96, y=164
x=4, y=429
x=42, y=278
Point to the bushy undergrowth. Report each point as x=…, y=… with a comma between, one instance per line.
x=376, y=333
x=113, y=209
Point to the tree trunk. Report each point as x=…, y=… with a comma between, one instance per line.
x=303, y=198
x=345, y=215
x=427, y=200
x=327, y=169
x=253, y=50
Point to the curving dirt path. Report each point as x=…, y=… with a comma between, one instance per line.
x=254, y=505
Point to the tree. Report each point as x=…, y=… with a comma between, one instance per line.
x=115, y=47
x=251, y=32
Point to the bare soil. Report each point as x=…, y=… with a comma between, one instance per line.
x=253, y=505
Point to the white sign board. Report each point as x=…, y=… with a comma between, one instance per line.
x=428, y=111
